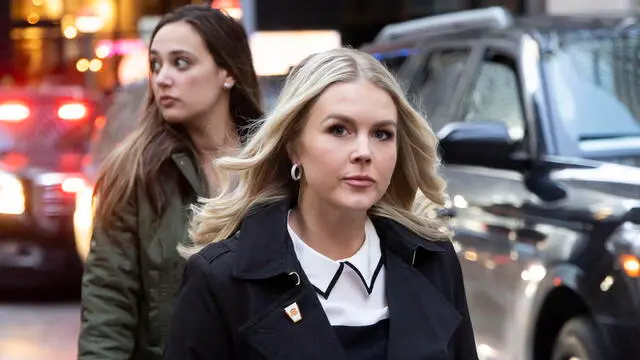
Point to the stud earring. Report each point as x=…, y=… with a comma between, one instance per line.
x=228, y=85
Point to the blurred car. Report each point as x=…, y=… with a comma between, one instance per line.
x=539, y=127
x=44, y=133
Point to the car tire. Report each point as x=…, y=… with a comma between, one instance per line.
x=579, y=339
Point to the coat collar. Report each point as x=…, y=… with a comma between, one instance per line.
x=422, y=320
x=190, y=170
x=265, y=228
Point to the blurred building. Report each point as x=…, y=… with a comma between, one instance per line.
x=5, y=39
x=590, y=6
x=58, y=41
x=98, y=42
x=359, y=20
x=285, y=31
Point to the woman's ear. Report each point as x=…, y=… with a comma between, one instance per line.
x=293, y=153
x=230, y=80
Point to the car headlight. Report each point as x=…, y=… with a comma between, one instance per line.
x=12, y=199
x=83, y=221
x=625, y=243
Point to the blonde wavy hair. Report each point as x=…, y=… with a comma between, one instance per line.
x=261, y=170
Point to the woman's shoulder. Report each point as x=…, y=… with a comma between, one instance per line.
x=219, y=256
x=211, y=268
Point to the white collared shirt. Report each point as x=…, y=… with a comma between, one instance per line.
x=352, y=290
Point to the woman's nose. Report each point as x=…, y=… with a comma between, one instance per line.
x=163, y=78
x=362, y=151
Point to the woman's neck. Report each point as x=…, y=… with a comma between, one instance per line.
x=337, y=234
x=214, y=133
x=213, y=137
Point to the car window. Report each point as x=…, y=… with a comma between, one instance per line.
x=594, y=87
x=433, y=85
x=495, y=96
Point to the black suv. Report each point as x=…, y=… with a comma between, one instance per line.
x=539, y=121
x=44, y=133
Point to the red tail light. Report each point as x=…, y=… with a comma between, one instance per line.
x=14, y=112
x=72, y=111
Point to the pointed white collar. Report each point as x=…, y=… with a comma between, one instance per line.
x=324, y=272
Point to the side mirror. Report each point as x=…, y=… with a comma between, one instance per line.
x=634, y=215
x=477, y=143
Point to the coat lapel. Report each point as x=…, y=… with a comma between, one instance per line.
x=270, y=330
x=276, y=336
x=421, y=320
x=190, y=172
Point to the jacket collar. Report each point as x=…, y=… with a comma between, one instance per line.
x=265, y=228
x=422, y=321
x=190, y=170
x=264, y=249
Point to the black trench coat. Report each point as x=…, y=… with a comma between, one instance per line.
x=234, y=293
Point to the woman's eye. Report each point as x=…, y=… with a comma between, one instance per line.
x=338, y=130
x=182, y=64
x=383, y=134
x=154, y=65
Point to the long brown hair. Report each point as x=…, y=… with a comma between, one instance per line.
x=142, y=154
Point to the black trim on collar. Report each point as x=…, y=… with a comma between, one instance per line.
x=333, y=282
x=265, y=250
x=338, y=273
x=376, y=272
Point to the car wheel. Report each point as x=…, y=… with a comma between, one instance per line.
x=578, y=340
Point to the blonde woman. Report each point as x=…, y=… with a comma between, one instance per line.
x=320, y=250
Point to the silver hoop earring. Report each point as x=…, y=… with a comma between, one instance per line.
x=296, y=172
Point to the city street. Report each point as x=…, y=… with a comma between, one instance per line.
x=508, y=190
x=38, y=330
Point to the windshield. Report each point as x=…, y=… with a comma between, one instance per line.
x=594, y=87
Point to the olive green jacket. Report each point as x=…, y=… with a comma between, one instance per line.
x=133, y=271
